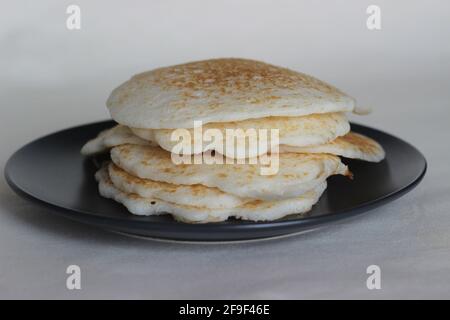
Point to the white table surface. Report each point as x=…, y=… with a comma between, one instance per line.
x=52, y=78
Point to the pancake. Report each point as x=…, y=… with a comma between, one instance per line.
x=298, y=173
x=220, y=90
x=256, y=210
x=295, y=131
x=352, y=145
x=192, y=195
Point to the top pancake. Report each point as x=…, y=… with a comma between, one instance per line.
x=220, y=90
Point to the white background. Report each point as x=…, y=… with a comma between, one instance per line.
x=51, y=78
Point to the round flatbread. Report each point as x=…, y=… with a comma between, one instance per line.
x=256, y=210
x=193, y=195
x=303, y=131
x=220, y=90
x=297, y=173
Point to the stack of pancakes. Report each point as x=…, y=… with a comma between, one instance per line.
x=226, y=94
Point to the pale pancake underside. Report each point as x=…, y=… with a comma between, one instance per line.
x=221, y=90
x=297, y=174
x=255, y=210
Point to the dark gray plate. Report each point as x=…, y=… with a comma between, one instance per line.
x=51, y=172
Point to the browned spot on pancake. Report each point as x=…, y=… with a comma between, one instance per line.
x=198, y=189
